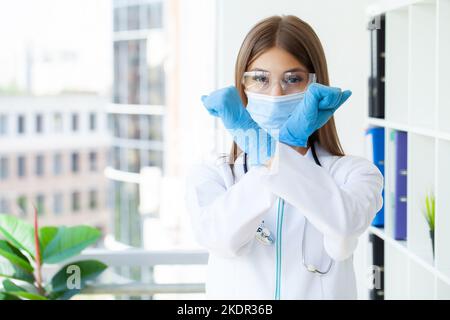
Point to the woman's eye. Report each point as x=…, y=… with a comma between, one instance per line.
x=294, y=79
x=260, y=78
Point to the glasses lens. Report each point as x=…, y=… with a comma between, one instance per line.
x=291, y=82
x=256, y=81
x=295, y=82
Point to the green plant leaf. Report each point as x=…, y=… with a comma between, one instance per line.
x=429, y=210
x=19, y=233
x=7, y=296
x=9, y=286
x=46, y=235
x=20, y=292
x=85, y=270
x=69, y=241
x=14, y=256
x=9, y=270
x=27, y=295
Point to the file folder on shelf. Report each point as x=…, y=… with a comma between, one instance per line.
x=400, y=219
x=377, y=62
x=377, y=290
x=375, y=152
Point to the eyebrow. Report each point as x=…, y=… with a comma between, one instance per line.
x=290, y=70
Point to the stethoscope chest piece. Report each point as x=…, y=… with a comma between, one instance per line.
x=264, y=235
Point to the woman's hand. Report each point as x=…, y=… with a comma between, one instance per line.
x=315, y=109
x=226, y=104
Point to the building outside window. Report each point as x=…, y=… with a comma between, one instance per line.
x=92, y=161
x=21, y=166
x=75, y=123
x=75, y=162
x=40, y=204
x=3, y=124
x=57, y=122
x=76, y=201
x=39, y=169
x=22, y=205
x=21, y=124
x=57, y=164
x=58, y=205
x=4, y=205
x=4, y=168
x=139, y=79
x=93, y=199
x=38, y=123
x=92, y=121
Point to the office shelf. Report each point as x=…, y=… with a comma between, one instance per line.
x=402, y=257
x=400, y=126
x=417, y=102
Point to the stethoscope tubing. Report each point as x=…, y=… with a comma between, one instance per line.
x=308, y=267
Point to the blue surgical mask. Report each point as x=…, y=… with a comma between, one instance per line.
x=271, y=112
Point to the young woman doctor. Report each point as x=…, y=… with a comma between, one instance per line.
x=282, y=218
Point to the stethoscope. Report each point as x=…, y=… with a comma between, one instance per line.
x=264, y=236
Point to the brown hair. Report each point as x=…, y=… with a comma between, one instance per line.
x=299, y=39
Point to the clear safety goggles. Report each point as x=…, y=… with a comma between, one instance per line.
x=259, y=81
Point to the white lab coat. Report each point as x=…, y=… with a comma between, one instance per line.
x=339, y=200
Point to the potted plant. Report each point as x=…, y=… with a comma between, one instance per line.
x=24, y=249
x=429, y=213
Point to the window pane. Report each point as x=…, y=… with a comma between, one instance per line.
x=155, y=158
x=40, y=204
x=93, y=201
x=4, y=205
x=57, y=203
x=57, y=164
x=38, y=123
x=154, y=126
x=22, y=205
x=93, y=161
x=4, y=168
x=92, y=121
x=154, y=15
x=75, y=122
x=21, y=166
x=75, y=159
x=76, y=201
x=3, y=124
x=39, y=165
x=134, y=74
x=133, y=160
x=120, y=18
x=58, y=122
x=116, y=162
x=121, y=72
x=133, y=18
x=133, y=127
x=21, y=124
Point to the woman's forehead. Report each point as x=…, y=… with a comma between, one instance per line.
x=277, y=60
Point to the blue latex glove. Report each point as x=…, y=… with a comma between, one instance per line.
x=318, y=105
x=227, y=105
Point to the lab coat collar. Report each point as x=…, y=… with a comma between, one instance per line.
x=321, y=154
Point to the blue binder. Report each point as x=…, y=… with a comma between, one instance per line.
x=400, y=220
x=375, y=145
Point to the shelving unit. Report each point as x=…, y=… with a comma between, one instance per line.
x=417, y=102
